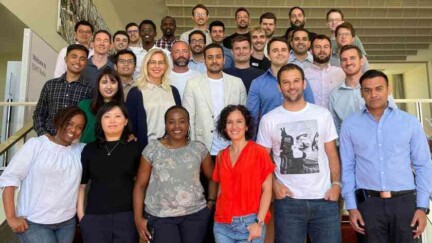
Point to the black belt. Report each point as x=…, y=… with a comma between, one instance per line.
x=385, y=194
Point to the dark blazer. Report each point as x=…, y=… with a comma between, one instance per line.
x=138, y=116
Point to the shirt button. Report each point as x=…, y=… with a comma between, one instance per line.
x=382, y=172
x=379, y=130
x=211, y=131
x=379, y=145
x=67, y=95
x=65, y=105
x=381, y=158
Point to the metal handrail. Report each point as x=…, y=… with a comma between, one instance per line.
x=12, y=140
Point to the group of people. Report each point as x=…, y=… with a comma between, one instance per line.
x=194, y=140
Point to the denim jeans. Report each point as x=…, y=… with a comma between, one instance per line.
x=63, y=232
x=294, y=218
x=237, y=231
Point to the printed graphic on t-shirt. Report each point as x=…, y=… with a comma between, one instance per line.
x=299, y=147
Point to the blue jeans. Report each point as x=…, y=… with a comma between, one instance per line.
x=237, y=231
x=63, y=232
x=294, y=218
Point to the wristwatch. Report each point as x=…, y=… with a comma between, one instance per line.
x=259, y=222
x=425, y=210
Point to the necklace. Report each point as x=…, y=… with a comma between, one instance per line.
x=110, y=151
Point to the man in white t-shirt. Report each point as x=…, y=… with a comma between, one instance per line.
x=181, y=73
x=307, y=177
x=207, y=94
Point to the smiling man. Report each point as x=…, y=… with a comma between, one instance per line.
x=200, y=16
x=67, y=90
x=242, y=19
x=297, y=19
x=259, y=43
x=300, y=45
x=125, y=61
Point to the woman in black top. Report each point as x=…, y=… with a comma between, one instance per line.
x=111, y=164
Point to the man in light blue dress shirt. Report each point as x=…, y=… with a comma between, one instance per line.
x=386, y=167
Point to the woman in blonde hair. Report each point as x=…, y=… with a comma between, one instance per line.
x=148, y=102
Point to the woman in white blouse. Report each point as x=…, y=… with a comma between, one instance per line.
x=48, y=171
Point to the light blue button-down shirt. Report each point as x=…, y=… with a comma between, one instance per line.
x=306, y=63
x=264, y=95
x=384, y=155
x=197, y=66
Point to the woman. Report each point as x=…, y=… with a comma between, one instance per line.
x=169, y=180
x=111, y=163
x=244, y=173
x=109, y=88
x=153, y=95
x=48, y=170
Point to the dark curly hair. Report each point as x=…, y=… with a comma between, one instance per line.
x=63, y=116
x=222, y=121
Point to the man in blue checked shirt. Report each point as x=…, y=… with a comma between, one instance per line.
x=386, y=167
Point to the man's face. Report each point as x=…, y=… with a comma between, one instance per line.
x=375, y=92
x=344, y=37
x=102, y=43
x=133, y=33
x=83, y=34
x=259, y=40
x=180, y=54
x=241, y=51
x=168, y=27
x=200, y=17
x=297, y=18
x=76, y=61
x=292, y=85
x=351, y=63
x=268, y=25
x=300, y=42
x=214, y=60
x=334, y=19
x=147, y=33
x=279, y=53
x=120, y=42
x=125, y=65
x=321, y=51
x=197, y=44
x=242, y=20
x=217, y=34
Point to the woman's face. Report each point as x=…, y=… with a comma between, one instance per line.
x=73, y=129
x=236, y=125
x=108, y=87
x=177, y=124
x=113, y=122
x=156, y=67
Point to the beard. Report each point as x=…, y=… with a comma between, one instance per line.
x=181, y=62
x=321, y=60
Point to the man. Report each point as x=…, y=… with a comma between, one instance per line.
x=134, y=38
x=322, y=76
x=386, y=167
x=206, y=95
x=67, y=90
x=147, y=34
x=297, y=19
x=301, y=137
x=83, y=34
x=300, y=45
x=125, y=65
x=168, y=28
x=180, y=74
x=259, y=43
x=264, y=94
x=217, y=33
x=345, y=34
x=241, y=50
x=267, y=22
x=120, y=41
x=242, y=20
x=200, y=15
x=101, y=44
x=197, y=42
x=334, y=18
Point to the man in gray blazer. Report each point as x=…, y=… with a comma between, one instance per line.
x=206, y=95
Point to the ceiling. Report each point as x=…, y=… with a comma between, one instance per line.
x=390, y=30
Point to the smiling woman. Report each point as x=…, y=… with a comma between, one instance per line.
x=47, y=168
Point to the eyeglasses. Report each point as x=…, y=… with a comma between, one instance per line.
x=344, y=34
x=334, y=20
x=87, y=32
x=132, y=31
x=194, y=42
x=200, y=14
x=156, y=63
x=126, y=62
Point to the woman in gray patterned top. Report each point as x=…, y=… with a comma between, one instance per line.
x=168, y=178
